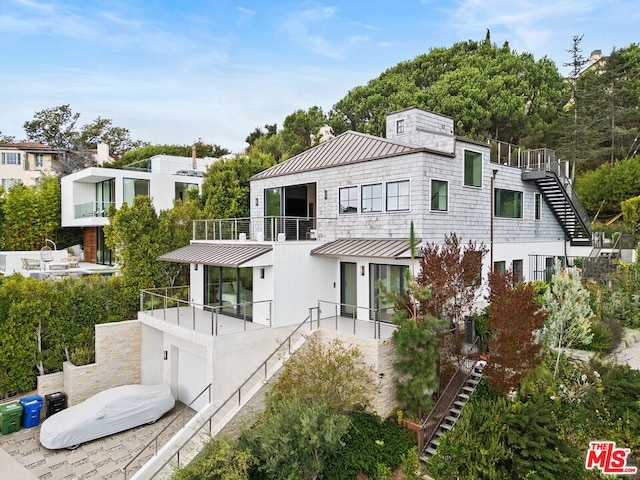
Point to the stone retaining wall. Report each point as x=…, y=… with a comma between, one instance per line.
x=117, y=363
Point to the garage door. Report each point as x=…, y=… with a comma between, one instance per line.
x=192, y=373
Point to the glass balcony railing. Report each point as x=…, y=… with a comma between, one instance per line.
x=92, y=209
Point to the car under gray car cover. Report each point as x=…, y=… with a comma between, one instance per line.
x=105, y=413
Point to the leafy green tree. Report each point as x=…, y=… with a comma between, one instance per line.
x=57, y=127
x=142, y=153
x=603, y=189
x=513, y=351
x=335, y=372
x=490, y=91
x=295, y=439
x=570, y=314
x=225, y=191
x=175, y=230
x=258, y=133
x=6, y=138
x=132, y=234
x=476, y=448
x=218, y=460
x=32, y=214
x=603, y=117
x=537, y=451
x=300, y=129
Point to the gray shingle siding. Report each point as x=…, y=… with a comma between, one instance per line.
x=469, y=208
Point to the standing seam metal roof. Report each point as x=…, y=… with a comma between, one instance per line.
x=366, y=247
x=349, y=147
x=223, y=255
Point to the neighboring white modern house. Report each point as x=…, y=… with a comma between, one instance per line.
x=329, y=223
x=87, y=194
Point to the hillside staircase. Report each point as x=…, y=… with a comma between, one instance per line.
x=447, y=410
x=542, y=168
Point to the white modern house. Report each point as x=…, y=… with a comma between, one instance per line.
x=88, y=194
x=329, y=223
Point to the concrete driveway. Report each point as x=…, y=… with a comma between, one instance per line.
x=22, y=456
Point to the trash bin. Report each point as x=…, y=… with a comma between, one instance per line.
x=10, y=414
x=55, y=402
x=32, y=407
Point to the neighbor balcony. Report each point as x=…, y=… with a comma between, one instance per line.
x=92, y=209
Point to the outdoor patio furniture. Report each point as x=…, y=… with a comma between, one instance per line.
x=30, y=264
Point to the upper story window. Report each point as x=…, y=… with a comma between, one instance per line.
x=400, y=126
x=7, y=183
x=12, y=158
x=372, y=198
x=472, y=168
x=537, y=205
x=439, y=195
x=349, y=200
x=507, y=203
x=182, y=190
x=132, y=187
x=398, y=196
x=39, y=161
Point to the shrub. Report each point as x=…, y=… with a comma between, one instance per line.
x=370, y=441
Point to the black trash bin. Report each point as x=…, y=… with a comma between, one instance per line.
x=32, y=406
x=55, y=402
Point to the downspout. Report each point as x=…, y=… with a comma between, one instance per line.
x=493, y=181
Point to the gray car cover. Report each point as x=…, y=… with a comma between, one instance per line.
x=106, y=413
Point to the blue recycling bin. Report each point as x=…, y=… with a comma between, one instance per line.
x=32, y=406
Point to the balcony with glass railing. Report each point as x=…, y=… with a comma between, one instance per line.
x=92, y=209
x=273, y=228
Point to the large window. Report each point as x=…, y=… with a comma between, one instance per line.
x=508, y=203
x=10, y=158
x=537, y=201
x=372, y=198
x=472, y=169
x=7, y=183
x=518, y=275
x=349, y=200
x=231, y=289
x=439, y=195
x=392, y=279
x=182, y=189
x=39, y=160
x=132, y=187
x=105, y=196
x=398, y=196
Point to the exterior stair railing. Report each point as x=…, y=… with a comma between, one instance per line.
x=449, y=396
x=259, y=376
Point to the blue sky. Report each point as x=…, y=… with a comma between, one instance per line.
x=173, y=72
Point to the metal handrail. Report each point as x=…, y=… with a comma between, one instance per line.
x=238, y=392
x=264, y=228
x=428, y=431
x=173, y=302
x=373, y=316
x=154, y=440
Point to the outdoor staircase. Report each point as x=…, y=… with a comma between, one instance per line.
x=558, y=193
x=443, y=420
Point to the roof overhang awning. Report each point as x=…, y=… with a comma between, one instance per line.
x=222, y=255
x=394, y=248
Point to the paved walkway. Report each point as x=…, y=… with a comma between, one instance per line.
x=23, y=458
